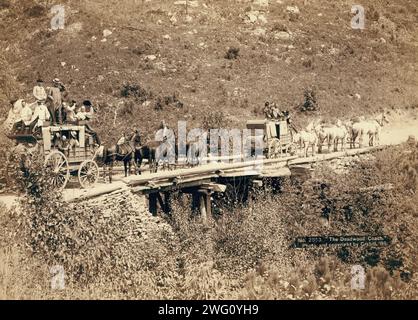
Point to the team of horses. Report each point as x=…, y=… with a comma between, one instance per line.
x=318, y=134
x=314, y=137
x=132, y=152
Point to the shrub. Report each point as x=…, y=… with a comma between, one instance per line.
x=110, y=249
x=278, y=26
x=36, y=11
x=4, y=4
x=232, y=53
x=136, y=91
x=214, y=120
x=310, y=103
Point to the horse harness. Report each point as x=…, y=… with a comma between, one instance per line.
x=124, y=150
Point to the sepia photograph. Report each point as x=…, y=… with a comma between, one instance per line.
x=208, y=155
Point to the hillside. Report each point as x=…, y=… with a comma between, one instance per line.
x=176, y=57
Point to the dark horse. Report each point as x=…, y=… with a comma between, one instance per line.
x=153, y=151
x=149, y=151
x=124, y=153
x=153, y=154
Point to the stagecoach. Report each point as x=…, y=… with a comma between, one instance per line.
x=277, y=136
x=76, y=161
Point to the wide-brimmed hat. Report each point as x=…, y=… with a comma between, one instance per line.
x=56, y=80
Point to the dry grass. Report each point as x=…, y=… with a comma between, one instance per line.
x=341, y=62
x=246, y=253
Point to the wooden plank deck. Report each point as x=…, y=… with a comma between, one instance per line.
x=192, y=177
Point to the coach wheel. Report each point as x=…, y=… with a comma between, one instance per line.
x=88, y=174
x=60, y=171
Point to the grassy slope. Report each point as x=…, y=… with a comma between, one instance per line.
x=343, y=62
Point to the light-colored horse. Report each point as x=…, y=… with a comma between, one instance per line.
x=341, y=133
x=377, y=125
x=305, y=139
x=359, y=130
x=349, y=126
x=372, y=128
x=332, y=135
x=356, y=129
x=325, y=133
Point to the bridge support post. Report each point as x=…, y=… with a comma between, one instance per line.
x=167, y=202
x=205, y=204
x=152, y=203
x=156, y=199
x=195, y=201
x=201, y=203
x=202, y=208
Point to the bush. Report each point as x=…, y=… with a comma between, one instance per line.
x=4, y=4
x=214, y=120
x=310, y=103
x=136, y=91
x=36, y=11
x=110, y=249
x=232, y=53
x=278, y=26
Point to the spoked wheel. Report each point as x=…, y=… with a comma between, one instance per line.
x=60, y=171
x=88, y=174
x=291, y=149
x=287, y=150
x=281, y=150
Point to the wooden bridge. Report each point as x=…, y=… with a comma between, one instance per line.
x=204, y=180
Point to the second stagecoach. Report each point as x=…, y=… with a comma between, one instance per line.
x=276, y=135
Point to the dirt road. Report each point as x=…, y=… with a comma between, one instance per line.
x=399, y=130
